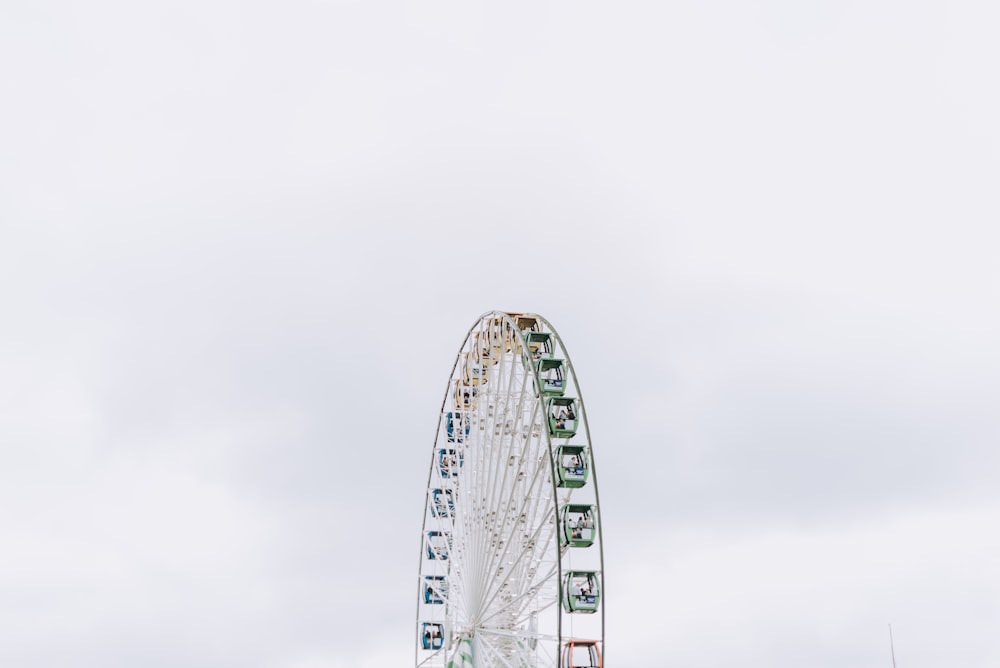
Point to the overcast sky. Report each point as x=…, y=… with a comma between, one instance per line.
x=241, y=242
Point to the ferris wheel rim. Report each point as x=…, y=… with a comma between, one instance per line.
x=593, y=473
x=509, y=325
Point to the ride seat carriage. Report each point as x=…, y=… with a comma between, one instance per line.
x=488, y=346
x=539, y=345
x=450, y=463
x=563, y=419
x=474, y=371
x=500, y=336
x=579, y=525
x=443, y=503
x=466, y=396
x=571, y=466
x=435, y=589
x=432, y=635
x=526, y=323
x=438, y=544
x=551, y=376
x=457, y=426
x=581, y=654
x=581, y=591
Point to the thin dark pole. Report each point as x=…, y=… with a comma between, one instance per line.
x=892, y=650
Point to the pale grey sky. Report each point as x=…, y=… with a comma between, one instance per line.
x=240, y=244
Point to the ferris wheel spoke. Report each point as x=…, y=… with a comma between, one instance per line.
x=520, y=457
x=525, y=644
x=492, y=608
x=544, y=569
x=485, y=643
x=500, y=518
x=514, y=535
x=524, y=597
x=519, y=635
x=519, y=649
x=489, y=460
x=502, y=462
x=496, y=590
x=529, y=462
x=475, y=534
x=471, y=531
x=431, y=659
x=517, y=567
x=534, y=500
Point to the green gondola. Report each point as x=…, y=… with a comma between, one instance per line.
x=571, y=465
x=539, y=344
x=578, y=525
x=563, y=419
x=551, y=376
x=581, y=591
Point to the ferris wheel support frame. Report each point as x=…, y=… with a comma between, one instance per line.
x=510, y=334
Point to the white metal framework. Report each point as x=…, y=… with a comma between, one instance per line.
x=511, y=558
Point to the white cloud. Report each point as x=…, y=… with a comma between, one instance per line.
x=713, y=595
x=240, y=245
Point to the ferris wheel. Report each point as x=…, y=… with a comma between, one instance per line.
x=511, y=558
